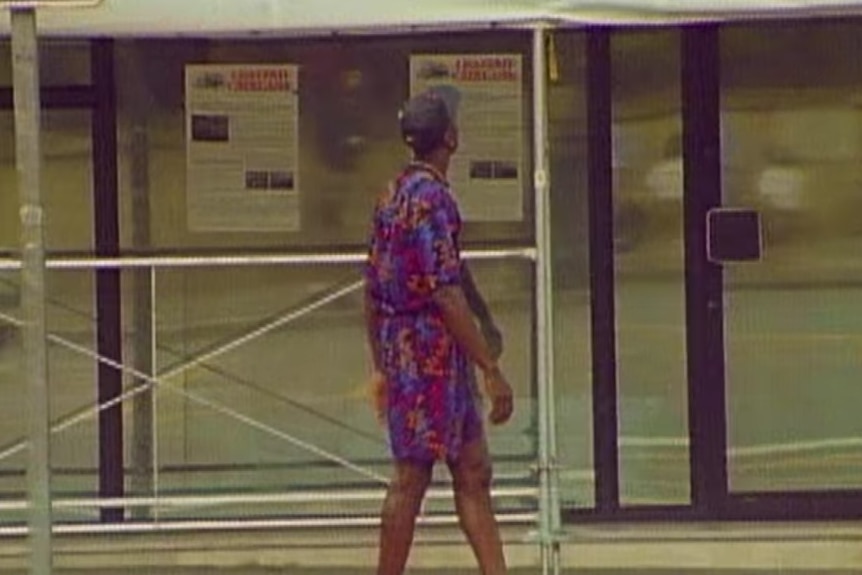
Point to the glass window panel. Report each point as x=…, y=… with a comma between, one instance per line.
x=13, y=424
x=199, y=445
x=648, y=188
x=71, y=385
x=9, y=227
x=792, y=145
x=243, y=408
x=305, y=379
x=568, y=156
x=66, y=181
x=349, y=93
x=73, y=381
x=67, y=201
x=61, y=62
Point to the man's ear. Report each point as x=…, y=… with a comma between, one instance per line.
x=450, y=139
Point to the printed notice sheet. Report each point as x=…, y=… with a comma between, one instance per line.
x=242, y=147
x=487, y=172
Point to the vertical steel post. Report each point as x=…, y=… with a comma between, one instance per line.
x=549, y=505
x=600, y=175
x=154, y=405
x=25, y=65
x=704, y=280
x=137, y=109
x=109, y=295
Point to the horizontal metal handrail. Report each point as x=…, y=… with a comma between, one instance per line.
x=190, y=526
x=232, y=260
x=297, y=497
x=160, y=379
x=222, y=260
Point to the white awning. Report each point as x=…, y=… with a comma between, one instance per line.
x=268, y=17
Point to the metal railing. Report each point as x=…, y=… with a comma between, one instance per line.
x=162, y=382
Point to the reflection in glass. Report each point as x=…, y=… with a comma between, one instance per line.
x=66, y=181
x=304, y=378
x=792, y=148
x=262, y=383
x=349, y=145
x=63, y=62
x=71, y=383
x=9, y=234
x=648, y=192
x=13, y=424
x=570, y=249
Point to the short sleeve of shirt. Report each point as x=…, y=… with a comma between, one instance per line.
x=437, y=227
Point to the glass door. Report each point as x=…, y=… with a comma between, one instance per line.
x=792, y=140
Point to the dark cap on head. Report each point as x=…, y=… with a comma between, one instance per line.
x=426, y=117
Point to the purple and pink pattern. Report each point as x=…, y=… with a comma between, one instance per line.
x=432, y=398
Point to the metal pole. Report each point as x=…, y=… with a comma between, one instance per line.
x=549, y=509
x=154, y=350
x=143, y=406
x=25, y=64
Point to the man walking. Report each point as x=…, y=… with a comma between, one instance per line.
x=420, y=300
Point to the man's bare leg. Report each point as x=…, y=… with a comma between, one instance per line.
x=400, y=508
x=471, y=476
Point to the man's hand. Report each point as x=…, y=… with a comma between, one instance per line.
x=500, y=393
x=494, y=338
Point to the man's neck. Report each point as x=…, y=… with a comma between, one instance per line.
x=439, y=161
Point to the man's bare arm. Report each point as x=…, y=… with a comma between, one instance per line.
x=371, y=319
x=456, y=313
x=480, y=309
x=474, y=299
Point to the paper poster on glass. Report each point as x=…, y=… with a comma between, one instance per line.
x=242, y=148
x=487, y=172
